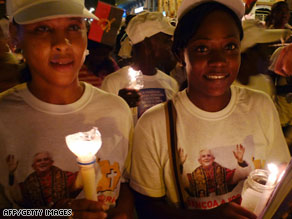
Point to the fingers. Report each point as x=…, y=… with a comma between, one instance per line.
x=242, y=212
x=12, y=163
x=234, y=210
x=83, y=208
x=84, y=204
x=89, y=215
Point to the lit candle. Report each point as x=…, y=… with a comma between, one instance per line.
x=85, y=145
x=135, y=79
x=273, y=175
x=258, y=187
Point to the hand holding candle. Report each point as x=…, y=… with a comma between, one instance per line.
x=85, y=145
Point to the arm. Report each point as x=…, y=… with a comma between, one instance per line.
x=157, y=208
x=125, y=204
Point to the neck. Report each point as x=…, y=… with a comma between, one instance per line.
x=209, y=103
x=146, y=69
x=57, y=94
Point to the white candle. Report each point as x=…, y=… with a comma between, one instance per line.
x=85, y=145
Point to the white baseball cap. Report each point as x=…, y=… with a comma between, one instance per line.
x=31, y=11
x=235, y=5
x=255, y=32
x=148, y=24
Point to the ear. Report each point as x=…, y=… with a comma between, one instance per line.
x=180, y=57
x=14, y=42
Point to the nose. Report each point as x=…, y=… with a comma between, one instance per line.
x=217, y=58
x=61, y=42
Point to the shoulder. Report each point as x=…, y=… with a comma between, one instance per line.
x=120, y=73
x=109, y=100
x=161, y=74
x=153, y=118
x=12, y=94
x=251, y=96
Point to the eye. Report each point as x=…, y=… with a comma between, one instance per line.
x=74, y=27
x=201, y=49
x=42, y=29
x=231, y=46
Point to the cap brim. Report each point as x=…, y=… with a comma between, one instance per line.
x=262, y=35
x=51, y=10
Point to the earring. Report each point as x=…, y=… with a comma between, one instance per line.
x=86, y=52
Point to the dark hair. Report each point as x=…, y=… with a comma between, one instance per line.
x=277, y=7
x=189, y=24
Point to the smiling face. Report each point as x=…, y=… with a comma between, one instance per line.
x=42, y=162
x=206, y=158
x=212, y=58
x=54, y=50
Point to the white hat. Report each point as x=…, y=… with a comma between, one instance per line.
x=255, y=32
x=235, y=5
x=146, y=25
x=31, y=11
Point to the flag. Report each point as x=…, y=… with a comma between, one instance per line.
x=106, y=28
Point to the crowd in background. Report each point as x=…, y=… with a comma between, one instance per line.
x=165, y=53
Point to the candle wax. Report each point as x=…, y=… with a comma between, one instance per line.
x=89, y=182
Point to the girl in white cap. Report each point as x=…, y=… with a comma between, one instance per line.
x=39, y=114
x=220, y=133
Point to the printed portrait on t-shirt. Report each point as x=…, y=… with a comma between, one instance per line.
x=44, y=186
x=215, y=175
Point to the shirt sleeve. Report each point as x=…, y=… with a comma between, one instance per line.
x=146, y=171
x=277, y=150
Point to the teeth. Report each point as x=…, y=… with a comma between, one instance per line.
x=61, y=62
x=214, y=77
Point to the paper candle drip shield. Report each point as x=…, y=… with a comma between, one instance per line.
x=135, y=79
x=85, y=144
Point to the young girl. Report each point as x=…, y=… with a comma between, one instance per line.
x=37, y=167
x=223, y=132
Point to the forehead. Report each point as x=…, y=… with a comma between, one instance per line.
x=205, y=152
x=42, y=155
x=218, y=22
x=57, y=21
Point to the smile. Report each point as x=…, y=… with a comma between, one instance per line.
x=216, y=77
x=61, y=62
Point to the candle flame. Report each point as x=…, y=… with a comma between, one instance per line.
x=274, y=170
x=135, y=77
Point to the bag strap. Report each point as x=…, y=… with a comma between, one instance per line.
x=170, y=114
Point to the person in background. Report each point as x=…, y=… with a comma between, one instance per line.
x=279, y=16
x=10, y=67
x=256, y=50
x=150, y=33
x=281, y=66
x=211, y=114
x=98, y=63
x=37, y=116
x=123, y=48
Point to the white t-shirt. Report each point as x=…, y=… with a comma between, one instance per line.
x=157, y=88
x=250, y=119
x=29, y=126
